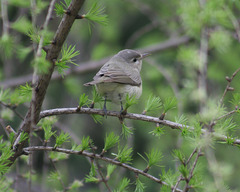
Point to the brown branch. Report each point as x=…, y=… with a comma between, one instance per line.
x=97, y=156
x=90, y=66
x=2, y=124
x=173, y=125
x=177, y=183
x=44, y=79
x=190, y=157
x=99, y=171
x=181, y=178
x=171, y=43
x=187, y=187
x=56, y=170
x=104, y=180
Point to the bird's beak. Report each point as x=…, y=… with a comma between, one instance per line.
x=145, y=55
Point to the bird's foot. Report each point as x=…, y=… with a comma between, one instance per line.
x=92, y=105
x=105, y=111
x=105, y=107
x=122, y=113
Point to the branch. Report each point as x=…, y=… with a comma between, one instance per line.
x=187, y=187
x=177, y=183
x=97, y=156
x=227, y=114
x=173, y=125
x=13, y=108
x=43, y=80
x=104, y=180
x=181, y=178
x=94, y=65
x=228, y=88
x=171, y=43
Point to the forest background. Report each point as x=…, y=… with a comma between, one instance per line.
x=181, y=135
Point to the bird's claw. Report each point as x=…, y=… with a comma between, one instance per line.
x=105, y=111
x=122, y=113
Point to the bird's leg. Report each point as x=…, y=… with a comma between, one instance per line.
x=123, y=112
x=120, y=98
x=104, y=107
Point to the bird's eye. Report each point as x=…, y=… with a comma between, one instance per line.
x=134, y=60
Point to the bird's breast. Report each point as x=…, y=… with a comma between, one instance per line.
x=113, y=90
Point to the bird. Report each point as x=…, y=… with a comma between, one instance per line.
x=120, y=76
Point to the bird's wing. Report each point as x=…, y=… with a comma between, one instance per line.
x=114, y=74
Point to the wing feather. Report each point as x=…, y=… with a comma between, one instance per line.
x=110, y=73
x=115, y=74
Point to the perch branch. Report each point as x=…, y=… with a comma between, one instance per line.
x=173, y=125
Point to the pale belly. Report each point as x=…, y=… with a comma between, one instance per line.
x=115, y=91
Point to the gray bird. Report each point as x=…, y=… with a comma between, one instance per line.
x=120, y=76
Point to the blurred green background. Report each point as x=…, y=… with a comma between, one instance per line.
x=173, y=72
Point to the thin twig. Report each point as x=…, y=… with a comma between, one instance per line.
x=38, y=54
x=190, y=157
x=48, y=17
x=97, y=156
x=186, y=163
x=186, y=188
x=13, y=108
x=225, y=115
x=102, y=176
x=99, y=170
x=55, y=168
x=229, y=79
x=177, y=183
x=173, y=125
x=2, y=124
x=199, y=153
